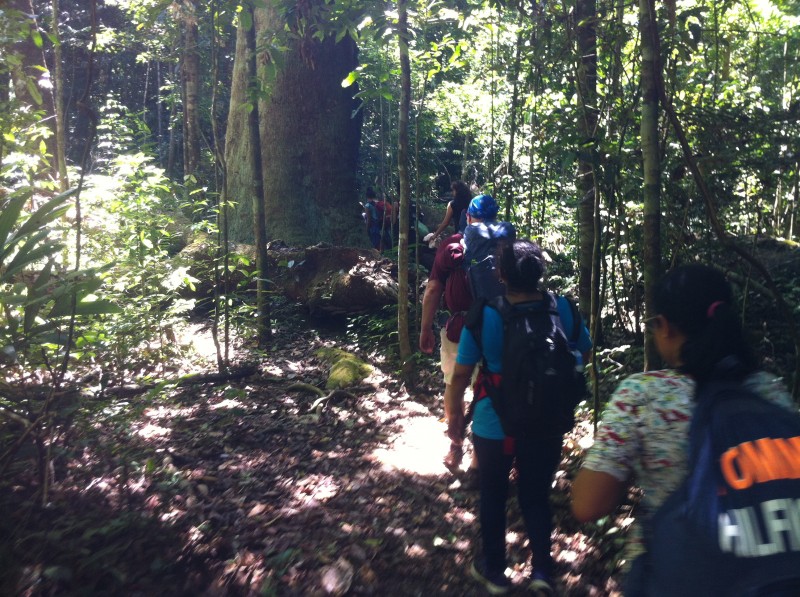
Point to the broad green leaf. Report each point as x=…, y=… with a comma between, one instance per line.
x=34, y=91
x=8, y=217
x=37, y=37
x=351, y=78
x=63, y=306
x=24, y=258
x=245, y=20
x=47, y=212
x=43, y=278
x=22, y=253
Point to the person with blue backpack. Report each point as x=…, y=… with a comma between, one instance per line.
x=493, y=336
x=481, y=237
x=714, y=444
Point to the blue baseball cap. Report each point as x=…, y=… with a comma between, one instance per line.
x=483, y=207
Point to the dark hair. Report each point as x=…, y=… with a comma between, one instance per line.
x=461, y=195
x=461, y=198
x=698, y=300
x=370, y=193
x=521, y=265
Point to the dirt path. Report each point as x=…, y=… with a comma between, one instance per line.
x=239, y=489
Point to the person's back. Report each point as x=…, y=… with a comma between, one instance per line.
x=481, y=238
x=645, y=434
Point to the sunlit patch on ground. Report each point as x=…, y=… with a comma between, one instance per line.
x=418, y=447
x=316, y=488
x=199, y=339
x=152, y=430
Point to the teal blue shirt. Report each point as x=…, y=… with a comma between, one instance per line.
x=485, y=422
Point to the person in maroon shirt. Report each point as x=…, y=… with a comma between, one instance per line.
x=447, y=279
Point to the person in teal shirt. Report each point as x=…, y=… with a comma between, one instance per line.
x=521, y=269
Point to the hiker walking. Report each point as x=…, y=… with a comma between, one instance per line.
x=481, y=237
x=653, y=429
x=455, y=211
x=448, y=280
x=378, y=218
x=537, y=454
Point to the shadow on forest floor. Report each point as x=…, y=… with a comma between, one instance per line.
x=238, y=489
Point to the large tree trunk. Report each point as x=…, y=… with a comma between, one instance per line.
x=508, y=182
x=309, y=140
x=651, y=167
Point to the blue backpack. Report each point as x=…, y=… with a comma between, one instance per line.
x=732, y=528
x=481, y=242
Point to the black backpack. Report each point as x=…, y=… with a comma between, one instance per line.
x=542, y=381
x=733, y=526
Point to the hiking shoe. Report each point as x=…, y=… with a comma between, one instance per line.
x=496, y=584
x=541, y=584
x=453, y=459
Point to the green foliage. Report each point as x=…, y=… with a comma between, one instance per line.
x=376, y=331
x=136, y=230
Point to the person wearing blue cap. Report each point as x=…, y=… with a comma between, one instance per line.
x=481, y=236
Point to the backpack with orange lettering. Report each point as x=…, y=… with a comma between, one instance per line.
x=733, y=526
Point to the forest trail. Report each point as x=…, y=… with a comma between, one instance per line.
x=238, y=489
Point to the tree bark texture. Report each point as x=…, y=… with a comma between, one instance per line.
x=651, y=167
x=586, y=37
x=263, y=329
x=29, y=74
x=190, y=77
x=402, y=171
x=58, y=100
x=309, y=140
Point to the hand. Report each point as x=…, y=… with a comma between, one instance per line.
x=426, y=341
x=427, y=237
x=455, y=428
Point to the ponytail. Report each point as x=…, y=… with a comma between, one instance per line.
x=698, y=300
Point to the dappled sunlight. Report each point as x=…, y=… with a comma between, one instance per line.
x=198, y=339
x=151, y=430
x=156, y=419
x=314, y=489
x=418, y=447
x=273, y=370
x=227, y=403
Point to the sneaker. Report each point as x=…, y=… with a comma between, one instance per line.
x=541, y=584
x=496, y=584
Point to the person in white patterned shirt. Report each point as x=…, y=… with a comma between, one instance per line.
x=643, y=435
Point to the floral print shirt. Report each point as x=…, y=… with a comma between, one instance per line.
x=643, y=436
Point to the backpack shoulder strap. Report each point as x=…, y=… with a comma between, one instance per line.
x=473, y=320
x=576, y=320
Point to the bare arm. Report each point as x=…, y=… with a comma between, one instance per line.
x=447, y=217
x=430, y=303
x=595, y=494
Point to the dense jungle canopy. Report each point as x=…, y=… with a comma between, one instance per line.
x=171, y=164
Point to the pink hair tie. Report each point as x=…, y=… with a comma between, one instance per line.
x=712, y=308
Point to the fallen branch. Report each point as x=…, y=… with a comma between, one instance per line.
x=187, y=380
x=323, y=397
